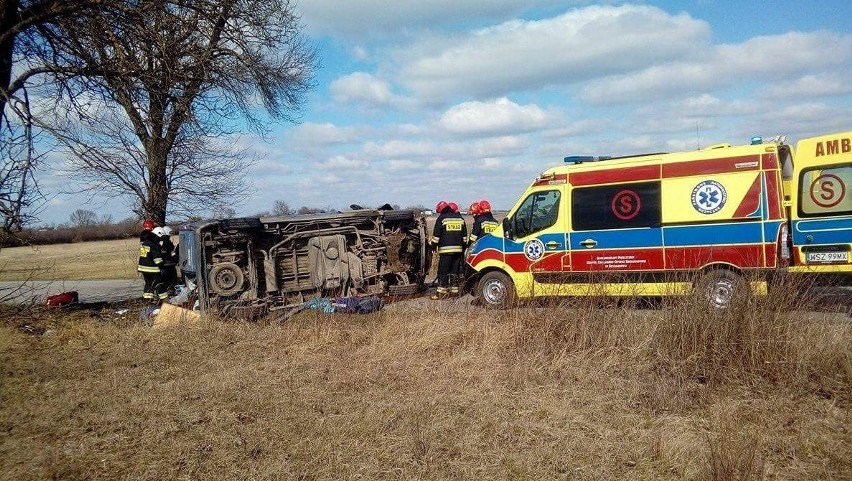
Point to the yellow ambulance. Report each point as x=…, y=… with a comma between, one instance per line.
x=712, y=221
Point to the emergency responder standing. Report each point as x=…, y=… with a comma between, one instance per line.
x=483, y=223
x=476, y=230
x=168, y=271
x=150, y=261
x=449, y=237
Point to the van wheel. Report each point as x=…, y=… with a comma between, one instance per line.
x=496, y=290
x=722, y=289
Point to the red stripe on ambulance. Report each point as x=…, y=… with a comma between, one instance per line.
x=613, y=176
x=712, y=166
x=751, y=201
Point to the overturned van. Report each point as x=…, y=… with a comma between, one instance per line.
x=268, y=263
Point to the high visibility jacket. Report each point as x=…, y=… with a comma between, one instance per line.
x=450, y=233
x=150, y=258
x=168, y=251
x=482, y=224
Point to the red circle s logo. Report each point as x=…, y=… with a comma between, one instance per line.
x=626, y=204
x=827, y=190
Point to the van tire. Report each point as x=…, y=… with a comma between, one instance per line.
x=722, y=289
x=495, y=290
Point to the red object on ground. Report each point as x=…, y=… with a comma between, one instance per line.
x=70, y=297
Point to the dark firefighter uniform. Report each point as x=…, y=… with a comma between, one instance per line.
x=150, y=260
x=483, y=223
x=450, y=238
x=168, y=271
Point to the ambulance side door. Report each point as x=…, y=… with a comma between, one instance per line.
x=536, y=241
x=616, y=228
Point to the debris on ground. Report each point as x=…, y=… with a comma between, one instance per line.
x=63, y=299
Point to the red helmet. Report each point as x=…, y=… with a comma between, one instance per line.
x=484, y=206
x=474, y=208
x=148, y=224
x=441, y=206
x=454, y=206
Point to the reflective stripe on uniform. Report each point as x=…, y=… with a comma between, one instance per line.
x=454, y=290
x=148, y=269
x=147, y=295
x=473, y=238
x=449, y=249
x=434, y=239
x=158, y=260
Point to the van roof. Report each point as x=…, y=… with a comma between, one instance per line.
x=715, y=151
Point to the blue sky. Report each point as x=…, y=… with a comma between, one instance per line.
x=433, y=100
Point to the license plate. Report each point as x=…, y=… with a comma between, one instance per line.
x=826, y=257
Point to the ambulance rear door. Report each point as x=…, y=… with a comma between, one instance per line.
x=822, y=205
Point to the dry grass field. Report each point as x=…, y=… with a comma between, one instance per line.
x=581, y=390
x=113, y=259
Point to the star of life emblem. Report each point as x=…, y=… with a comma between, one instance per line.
x=533, y=249
x=708, y=197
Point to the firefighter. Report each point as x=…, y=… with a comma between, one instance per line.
x=486, y=221
x=476, y=231
x=449, y=237
x=150, y=260
x=168, y=271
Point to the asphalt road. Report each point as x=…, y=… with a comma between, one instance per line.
x=115, y=290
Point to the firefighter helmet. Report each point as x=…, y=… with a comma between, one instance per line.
x=159, y=232
x=454, y=206
x=167, y=230
x=474, y=208
x=148, y=224
x=484, y=206
x=441, y=206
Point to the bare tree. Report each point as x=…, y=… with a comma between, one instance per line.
x=83, y=218
x=224, y=212
x=171, y=81
x=27, y=35
x=281, y=208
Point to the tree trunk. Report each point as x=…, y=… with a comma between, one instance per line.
x=158, y=193
x=8, y=19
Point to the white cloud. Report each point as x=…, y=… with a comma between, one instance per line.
x=578, y=45
x=767, y=58
x=314, y=134
x=810, y=86
x=496, y=117
x=401, y=164
x=401, y=149
x=359, y=53
x=363, y=87
x=342, y=162
x=373, y=18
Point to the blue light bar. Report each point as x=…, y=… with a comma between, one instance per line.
x=579, y=159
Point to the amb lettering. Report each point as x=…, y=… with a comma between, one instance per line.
x=833, y=147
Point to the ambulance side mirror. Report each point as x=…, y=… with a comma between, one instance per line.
x=507, y=228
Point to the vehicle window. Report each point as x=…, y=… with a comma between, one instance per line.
x=616, y=206
x=786, y=162
x=538, y=211
x=825, y=191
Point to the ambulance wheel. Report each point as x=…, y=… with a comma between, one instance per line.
x=496, y=290
x=722, y=289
